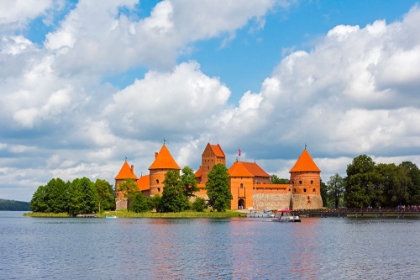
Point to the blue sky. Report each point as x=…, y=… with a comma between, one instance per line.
x=84, y=85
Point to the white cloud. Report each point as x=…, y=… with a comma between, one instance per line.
x=20, y=11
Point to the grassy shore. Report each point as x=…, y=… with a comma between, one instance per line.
x=47, y=215
x=126, y=214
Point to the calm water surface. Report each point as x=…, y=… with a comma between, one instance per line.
x=328, y=248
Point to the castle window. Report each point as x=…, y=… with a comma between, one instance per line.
x=312, y=181
x=300, y=182
x=293, y=182
x=294, y=190
x=157, y=181
x=304, y=190
x=289, y=190
x=208, y=167
x=242, y=186
x=313, y=190
x=158, y=189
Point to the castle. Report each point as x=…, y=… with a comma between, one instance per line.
x=249, y=183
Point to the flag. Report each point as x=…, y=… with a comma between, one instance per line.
x=239, y=151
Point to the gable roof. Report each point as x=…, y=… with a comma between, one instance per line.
x=217, y=150
x=164, y=160
x=305, y=163
x=255, y=169
x=143, y=183
x=125, y=173
x=239, y=170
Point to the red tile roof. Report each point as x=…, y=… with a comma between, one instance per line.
x=255, y=169
x=164, y=160
x=143, y=183
x=217, y=150
x=199, y=172
x=125, y=173
x=305, y=163
x=239, y=170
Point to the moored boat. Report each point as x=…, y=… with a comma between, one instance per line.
x=111, y=217
x=263, y=214
x=286, y=216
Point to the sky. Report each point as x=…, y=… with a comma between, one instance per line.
x=86, y=84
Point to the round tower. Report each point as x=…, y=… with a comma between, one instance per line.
x=162, y=164
x=305, y=178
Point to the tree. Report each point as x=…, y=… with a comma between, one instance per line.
x=218, y=189
x=57, y=196
x=38, y=202
x=129, y=189
x=173, y=198
x=359, y=182
x=188, y=182
x=105, y=195
x=199, y=204
x=83, y=197
x=155, y=202
x=274, y=179
x=335, y=189
x=413, y=184
x=139, y=203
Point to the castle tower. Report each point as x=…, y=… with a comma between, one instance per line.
x=162, y=164
x=306, y=183
x=212, y=155
x=126, y=172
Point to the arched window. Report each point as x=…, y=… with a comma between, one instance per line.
x=300, y=182
x=314, y=190
x=158, y=189
x=157, y=181
x=312, y=181
x=304, y=190
x=242, y=186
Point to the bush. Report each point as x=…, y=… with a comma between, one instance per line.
x=199, y=204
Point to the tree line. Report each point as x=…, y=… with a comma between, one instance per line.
x=369, y=184
x=13, y=205
x=82, y=196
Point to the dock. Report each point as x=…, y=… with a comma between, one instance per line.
x=86, y=216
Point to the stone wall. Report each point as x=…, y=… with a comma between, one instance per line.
x=308, y=201
x=120, y=203
x=271, y=201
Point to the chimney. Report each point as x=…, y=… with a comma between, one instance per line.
x=132, y=168
x=156, y=154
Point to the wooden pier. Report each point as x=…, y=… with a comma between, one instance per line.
x=86, y=216
x=362, y=213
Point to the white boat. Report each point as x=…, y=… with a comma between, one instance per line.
x=111, y=217
x=264, y=214
x=286, y=216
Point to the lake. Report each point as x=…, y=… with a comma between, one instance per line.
x=238, y=248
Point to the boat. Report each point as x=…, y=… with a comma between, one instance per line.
x=263, y=214
x=110, y=217
x=286, y=216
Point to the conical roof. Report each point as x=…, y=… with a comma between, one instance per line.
x=126, y=173
x=164, y=160
x=305, y=163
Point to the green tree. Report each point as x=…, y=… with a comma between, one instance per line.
x=411, y=170
x=323, y=192
x=274, y=179
x=38, y=202
x=139, y=203
x=106, y=200
x=83, y=197
x=57, y=196
x=199, y=204
x=360, y=182
x=173, y=198
x=129, y=189
x=188, y=182
x=155, y=202
x=335, y=189
x=218, y=189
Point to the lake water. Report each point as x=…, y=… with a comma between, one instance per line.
x=317, y=248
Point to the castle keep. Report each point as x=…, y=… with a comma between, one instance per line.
x=249, y=183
